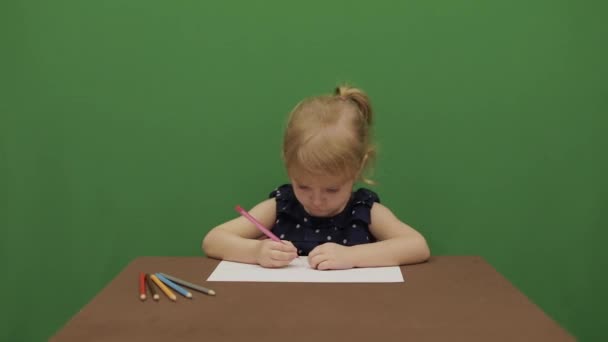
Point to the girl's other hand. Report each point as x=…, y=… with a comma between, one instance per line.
x=274, y=254
x=331, y=256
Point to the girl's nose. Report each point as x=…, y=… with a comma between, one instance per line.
x=317, y=200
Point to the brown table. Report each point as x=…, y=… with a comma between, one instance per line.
x=449, y=298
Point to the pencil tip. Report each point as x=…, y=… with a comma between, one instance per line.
x=211, y=292
x=142, y=297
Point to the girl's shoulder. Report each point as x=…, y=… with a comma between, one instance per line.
x=286, y=201
x=283, y=192
x=361, y=205
x=365, y=196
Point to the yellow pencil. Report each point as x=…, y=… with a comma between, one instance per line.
x=163, y=287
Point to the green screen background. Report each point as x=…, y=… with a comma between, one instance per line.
x=131, y=128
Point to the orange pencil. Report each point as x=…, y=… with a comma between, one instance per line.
x=142, y=286
x=163, y=287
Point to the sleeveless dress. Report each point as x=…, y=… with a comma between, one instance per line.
x=348, y=228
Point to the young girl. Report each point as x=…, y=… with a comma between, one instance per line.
x=326, y=149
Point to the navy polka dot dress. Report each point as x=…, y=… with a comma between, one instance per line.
x=348, y=228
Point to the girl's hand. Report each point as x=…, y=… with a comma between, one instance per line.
x=274, y=254
x=331, y=256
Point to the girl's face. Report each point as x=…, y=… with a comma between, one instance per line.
x=322, y=195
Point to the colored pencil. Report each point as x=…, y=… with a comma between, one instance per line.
x=151, y=285
x=257, y=223
x=190, y=285
x=163, y=288
x=142, y=286
x=174, y=286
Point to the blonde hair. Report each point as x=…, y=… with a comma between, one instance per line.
x=330, y=134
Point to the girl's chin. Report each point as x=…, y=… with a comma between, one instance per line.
x=320, y=213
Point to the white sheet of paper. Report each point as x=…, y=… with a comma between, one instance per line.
x=300, y=272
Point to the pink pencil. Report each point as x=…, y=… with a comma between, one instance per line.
x=257, y=224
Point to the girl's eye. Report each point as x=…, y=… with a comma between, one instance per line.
x=303, y=187
x=332, y=191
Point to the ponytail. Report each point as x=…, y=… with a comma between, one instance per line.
x=359, y=98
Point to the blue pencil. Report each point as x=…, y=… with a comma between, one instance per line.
x=190, y=285
x=174, y=286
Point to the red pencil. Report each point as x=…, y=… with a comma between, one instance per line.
x=257, y=223
x=142, y=286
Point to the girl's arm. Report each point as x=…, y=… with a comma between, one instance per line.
x=398, y=243
x=238, y=240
